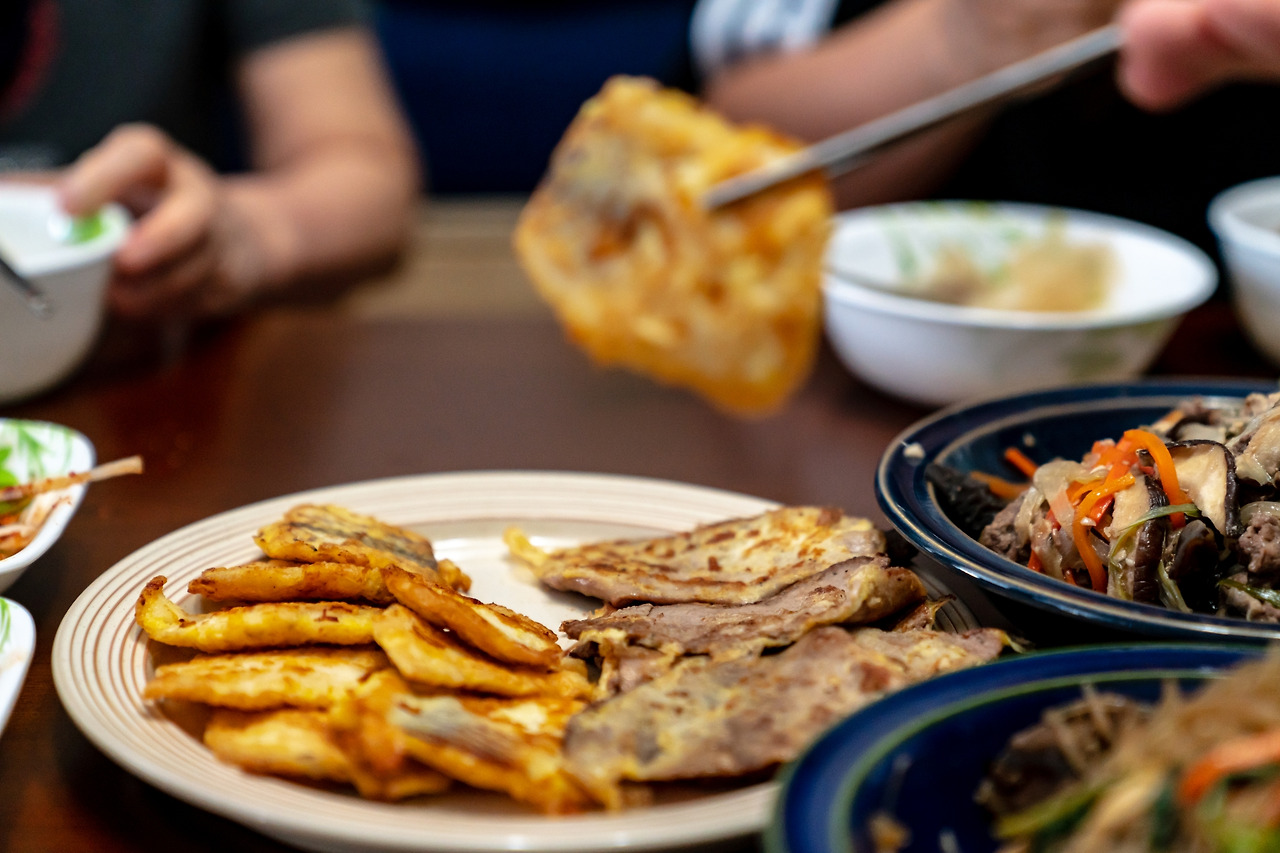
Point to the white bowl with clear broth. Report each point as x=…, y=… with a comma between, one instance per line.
x=70, y=262
x=899, y=338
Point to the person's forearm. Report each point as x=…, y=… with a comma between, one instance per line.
x=893, y=57
x=335, y=170
x=339, y=211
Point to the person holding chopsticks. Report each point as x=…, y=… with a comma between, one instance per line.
x=817, y=67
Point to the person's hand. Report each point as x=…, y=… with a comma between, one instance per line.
x=1177, y=49
x=989, y=34
x=187, y=253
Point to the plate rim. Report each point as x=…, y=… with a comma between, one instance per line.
x=900, y=491
x=736, y=814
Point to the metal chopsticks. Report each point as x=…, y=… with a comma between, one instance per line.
x=847, y=150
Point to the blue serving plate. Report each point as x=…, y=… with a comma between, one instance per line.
x=920, y=754
x=1057, y=423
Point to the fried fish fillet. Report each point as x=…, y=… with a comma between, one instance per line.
x=312, y=534
x=294, y=623
x=708, y=718
x=429, y=656
x=283, y=580
x=299, y=744
x=491, y=628
x=501, y=746
x=641, y=273
x=732, y=562
x=254, y=681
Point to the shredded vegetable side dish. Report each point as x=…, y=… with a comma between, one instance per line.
x=1197, y=773
x=24, y=507
x=1183, y=513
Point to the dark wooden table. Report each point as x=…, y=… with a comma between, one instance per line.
x=291, y=399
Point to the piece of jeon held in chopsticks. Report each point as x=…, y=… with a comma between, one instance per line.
x=643, y=275
x=303, y=687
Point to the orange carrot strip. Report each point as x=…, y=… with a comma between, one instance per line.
x=999, y=486
x=1234, y=756
x=1021, y=461
x=1084, y=544
x=1152, y=443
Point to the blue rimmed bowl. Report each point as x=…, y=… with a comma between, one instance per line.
x=1055, y=423
x=920, y=754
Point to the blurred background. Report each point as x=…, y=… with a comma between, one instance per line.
x=489, y=87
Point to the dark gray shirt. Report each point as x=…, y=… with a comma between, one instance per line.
x=167, y=62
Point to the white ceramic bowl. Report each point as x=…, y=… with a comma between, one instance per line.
x=36, y=353
x=31, y=450
x=934, y=353
x=1246, y=220
x=17, y=645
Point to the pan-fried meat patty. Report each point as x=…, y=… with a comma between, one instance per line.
x=709, y=718
x=731, y=562
x=860, y=590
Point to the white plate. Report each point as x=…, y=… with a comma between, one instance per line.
x=101, y=662
x=39, y=449
x=17, y=642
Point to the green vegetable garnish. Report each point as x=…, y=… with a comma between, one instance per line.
x=1266, y=596
x=1169, y=592
x=86, y=228
x=1161, y=511
x=1053, y=817
x=1164, y=816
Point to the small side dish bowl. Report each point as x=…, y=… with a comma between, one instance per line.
x=70, y=263
x=935, y=353
x=1053, y=423
x=1246, y=221
x=919, y=755
x=31, y=450
x=17, y=645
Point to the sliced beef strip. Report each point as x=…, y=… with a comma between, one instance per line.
x=1001, y=536
x=1259, y=546
x=864, y=589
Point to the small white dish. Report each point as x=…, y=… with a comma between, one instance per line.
x=17, y=644
x=70, y=266
x=934, y=353
x=1246, y=221
x=31, y=450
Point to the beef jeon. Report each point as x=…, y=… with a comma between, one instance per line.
x=860, y=590
x=731, y=562
x=710, y=718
